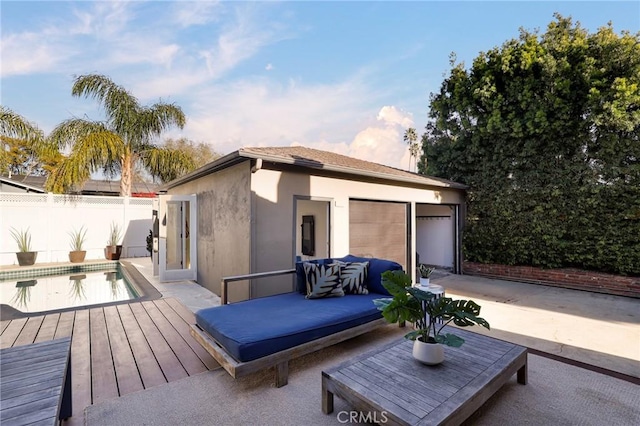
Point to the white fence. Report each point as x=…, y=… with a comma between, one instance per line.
x=51, y=217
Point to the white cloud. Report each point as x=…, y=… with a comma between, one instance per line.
x=192, y=13
x=104, y=20
x=269, y=67
x=242, y=38
x=60, y=44
x=329, y=117
x=27, y=53
x=394, y=116
x=142, y=51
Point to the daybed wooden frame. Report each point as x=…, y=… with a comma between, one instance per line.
x=279, y=360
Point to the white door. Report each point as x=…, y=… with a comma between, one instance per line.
x=177, y=243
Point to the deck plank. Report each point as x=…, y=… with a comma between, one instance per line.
x=11, y=332
x=150, y=372
x=169, y=363
x=30, y=331
x=103, y=380
x=80, y=364
x=170, y=311
x=48, y=329
x=124, y=363
x=65, y=325
x=185, y=354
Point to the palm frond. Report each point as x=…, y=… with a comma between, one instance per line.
x=118, y=103
x=14, y=125
x=67, y=176
x=167, y=164
x=71, y=131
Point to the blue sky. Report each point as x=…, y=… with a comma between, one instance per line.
x=347, y=77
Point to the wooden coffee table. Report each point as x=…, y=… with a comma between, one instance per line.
x=389, y=386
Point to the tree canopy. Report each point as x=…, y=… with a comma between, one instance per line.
x=117, y=145
x=545, y=130
x=23, y=149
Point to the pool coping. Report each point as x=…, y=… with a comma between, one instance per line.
x=141, y=285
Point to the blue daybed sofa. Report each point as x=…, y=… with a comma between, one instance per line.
x=255, y=334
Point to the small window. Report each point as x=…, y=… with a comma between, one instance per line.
x=308, y=236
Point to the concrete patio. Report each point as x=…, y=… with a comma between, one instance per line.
x=584, y=366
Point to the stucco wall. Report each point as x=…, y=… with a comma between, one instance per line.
x=274, y=193
x=224, y=226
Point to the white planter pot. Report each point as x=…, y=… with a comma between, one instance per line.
x=424, y=282
x=428, y=353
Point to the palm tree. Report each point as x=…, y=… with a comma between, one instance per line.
x=16, y=133
x=120, y=143
x=411, y=138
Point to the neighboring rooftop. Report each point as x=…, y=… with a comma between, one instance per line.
x=317, y=159
x=35, y=184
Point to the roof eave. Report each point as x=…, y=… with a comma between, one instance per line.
x=420, y=180
x=17, y=184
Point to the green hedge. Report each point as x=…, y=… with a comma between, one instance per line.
x=545, y=130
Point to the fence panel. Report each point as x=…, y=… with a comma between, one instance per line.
x=51, y=217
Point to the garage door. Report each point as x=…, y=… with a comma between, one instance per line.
x=378, y=229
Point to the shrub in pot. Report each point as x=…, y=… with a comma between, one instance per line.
x=425, y=273
x=113, y=250
x=77, y=253
x=25, y=256
x=429, y=314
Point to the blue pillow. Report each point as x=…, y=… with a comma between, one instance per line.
x=301, y=281
x=376, y=268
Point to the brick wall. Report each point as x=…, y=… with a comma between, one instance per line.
x=564, y=277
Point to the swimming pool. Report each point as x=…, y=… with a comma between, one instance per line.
x=69, y=290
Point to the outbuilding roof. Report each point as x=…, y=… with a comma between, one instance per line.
x=90, y=187
x=316, y=159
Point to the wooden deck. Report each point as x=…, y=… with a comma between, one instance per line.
x=116, y=350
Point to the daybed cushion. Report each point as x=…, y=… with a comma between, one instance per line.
x=376, y=268
x=255, y=328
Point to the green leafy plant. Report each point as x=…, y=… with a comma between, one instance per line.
x=22, y=239
x=115, y=234
x=425, y=271
x=78, y=238
x=414, y=305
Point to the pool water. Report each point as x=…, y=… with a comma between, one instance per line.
x=52, y=292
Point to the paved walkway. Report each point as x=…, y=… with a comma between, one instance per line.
x=592, y=328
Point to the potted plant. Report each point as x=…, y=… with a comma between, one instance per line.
x=428, y=313
x=113, y=249
x=77, y=253
x=25, y=256
x=425, y=273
